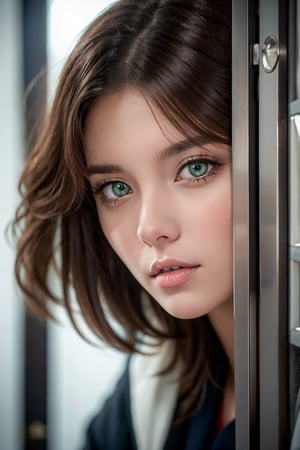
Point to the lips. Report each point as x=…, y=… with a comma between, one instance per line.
x=171, y=273
x=168, y=266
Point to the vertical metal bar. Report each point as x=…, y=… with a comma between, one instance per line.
x=244, y=105
x=273, y=151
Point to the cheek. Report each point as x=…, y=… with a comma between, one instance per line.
x=213, y=219
x=117, y=233
x=221, y=217
x=220, y=242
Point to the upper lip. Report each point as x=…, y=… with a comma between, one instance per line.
x=167, y=263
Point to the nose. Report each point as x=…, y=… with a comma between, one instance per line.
x=158, y=221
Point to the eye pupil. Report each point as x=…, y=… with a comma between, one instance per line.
x=197, y=169
x=120, y=189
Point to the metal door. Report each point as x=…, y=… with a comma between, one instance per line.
x=266, y=194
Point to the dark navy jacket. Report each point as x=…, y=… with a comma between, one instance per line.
x=112, y=428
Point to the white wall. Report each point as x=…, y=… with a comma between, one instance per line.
x=10, y=162
x=80, y=376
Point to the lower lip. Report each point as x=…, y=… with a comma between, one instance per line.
x=176, y=277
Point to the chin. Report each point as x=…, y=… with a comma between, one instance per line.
x=184, y=310
x=186, y=315
x=192, y=307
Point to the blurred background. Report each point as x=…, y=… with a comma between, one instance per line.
x=51, y=381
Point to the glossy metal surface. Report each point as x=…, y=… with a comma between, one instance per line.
x=270, y=53
x=273, y=200
x=244, y=221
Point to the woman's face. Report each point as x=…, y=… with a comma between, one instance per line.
x=164, y=203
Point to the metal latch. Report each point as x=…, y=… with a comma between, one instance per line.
x=270, y=53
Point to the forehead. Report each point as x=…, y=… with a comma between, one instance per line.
x=126, y=124
x=127, y=115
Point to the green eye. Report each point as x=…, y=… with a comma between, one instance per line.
x=111, y=192
x=198, y=168
x=119, y=189
x=195, y=170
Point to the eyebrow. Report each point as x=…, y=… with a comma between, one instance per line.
x=103, y=168
x=165, y=153
x=179, y=147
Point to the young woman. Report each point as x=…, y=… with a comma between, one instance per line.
x=127, y=194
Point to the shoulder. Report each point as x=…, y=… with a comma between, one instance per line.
x=140, y=411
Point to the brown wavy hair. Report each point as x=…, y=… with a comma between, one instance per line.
x=177, y=54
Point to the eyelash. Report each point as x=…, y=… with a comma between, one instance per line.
x=98, y=189
x=214, y=162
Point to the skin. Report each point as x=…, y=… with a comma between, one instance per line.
x=154, y=208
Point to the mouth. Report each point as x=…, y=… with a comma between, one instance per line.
x=169, y=269
x=168, y=266
x=174, y=276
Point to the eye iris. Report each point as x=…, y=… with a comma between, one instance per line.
x=197, y=168
x=120, y=189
